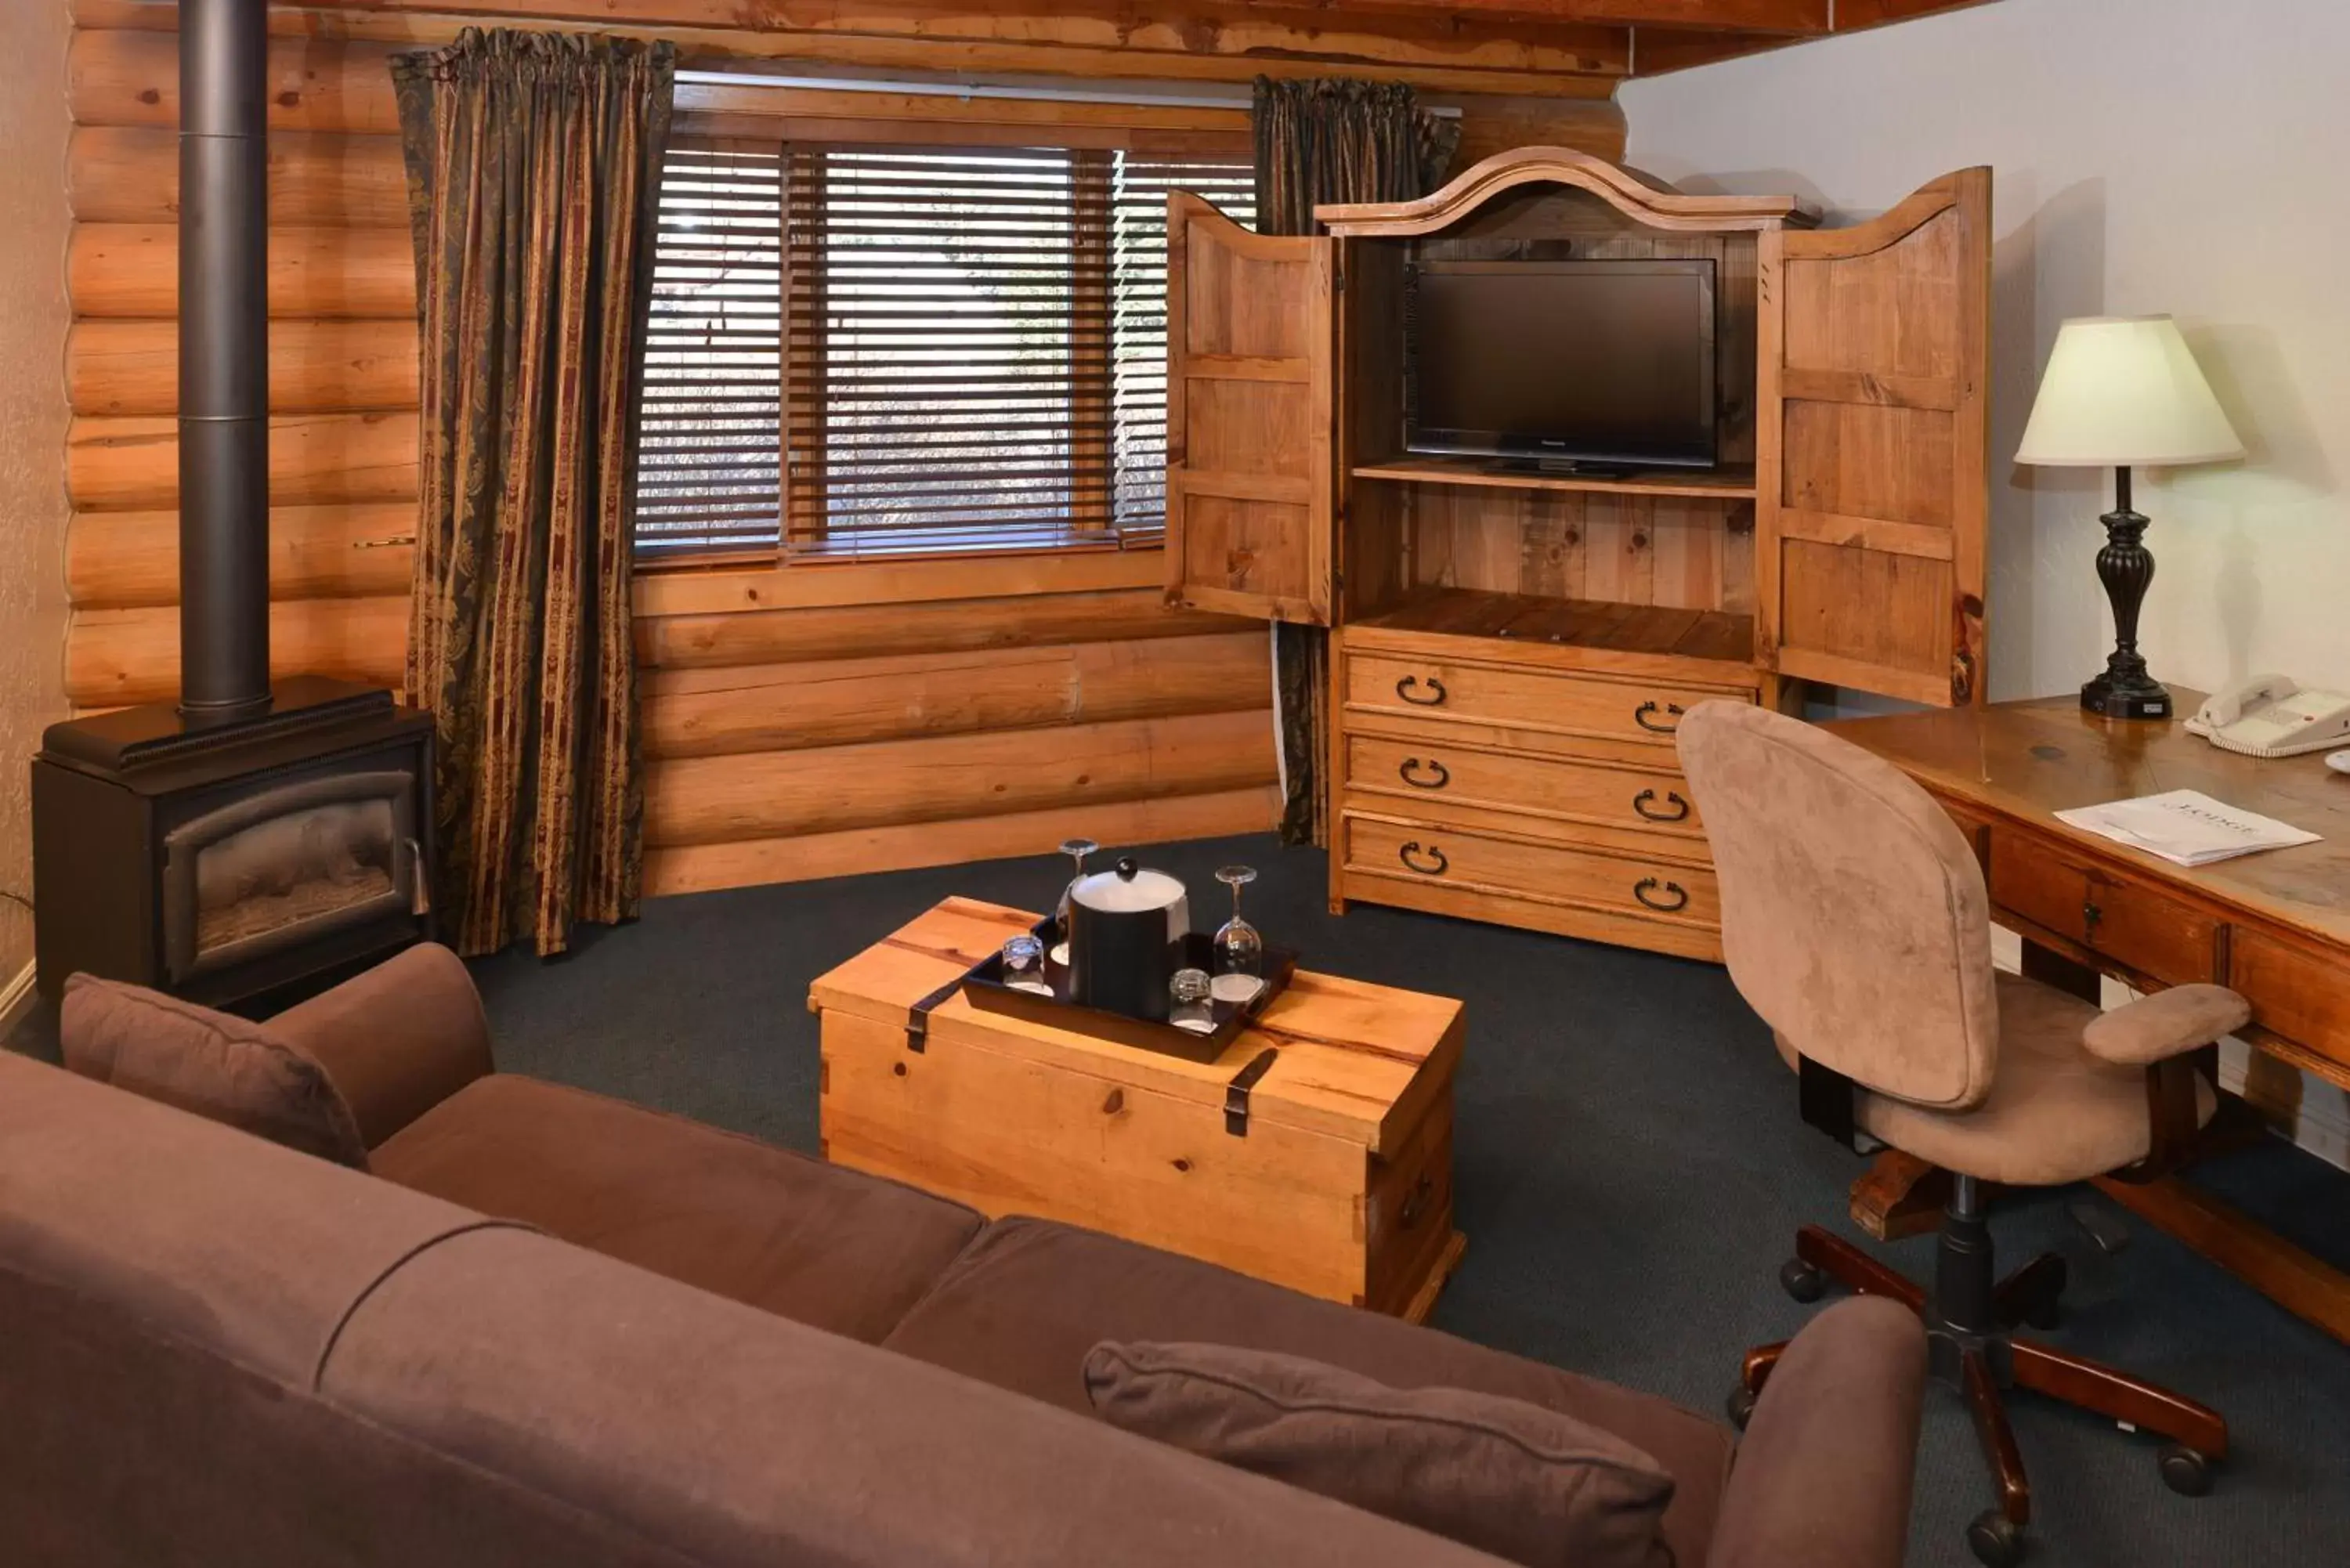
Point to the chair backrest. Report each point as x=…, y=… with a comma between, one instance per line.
x=1853, y=918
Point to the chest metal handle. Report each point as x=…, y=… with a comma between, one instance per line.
x=1429, y=862
x=1678, y=813
x=1640, y=717
x=1436, y=775
x=1412, y=683
x=1679, y=899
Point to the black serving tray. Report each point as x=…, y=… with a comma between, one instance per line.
x=984, y=989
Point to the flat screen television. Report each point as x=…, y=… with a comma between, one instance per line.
x=1590, y=363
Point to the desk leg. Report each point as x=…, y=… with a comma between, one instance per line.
x=2308, y=1287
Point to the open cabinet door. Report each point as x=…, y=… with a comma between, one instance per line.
x=1248, y=334
x=1871, y=462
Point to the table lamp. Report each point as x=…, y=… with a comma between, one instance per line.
x=2122, y=391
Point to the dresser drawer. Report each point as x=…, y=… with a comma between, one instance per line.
x=1437, y=774
x=2126, y=921
x=1607, y=708
x=1450, y=856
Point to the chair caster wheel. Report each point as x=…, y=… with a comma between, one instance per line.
x=1739, y=1406
x=1801, y=1281
x=2184, y=1470
x=1995, y=1539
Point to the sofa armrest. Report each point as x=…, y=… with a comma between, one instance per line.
x=2166, y=1025
x=397, y=1040
x=1823, y=1477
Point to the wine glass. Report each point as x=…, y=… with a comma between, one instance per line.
x=1240, y=951
x=1076, y=849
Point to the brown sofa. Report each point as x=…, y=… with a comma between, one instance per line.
x=548, y=1327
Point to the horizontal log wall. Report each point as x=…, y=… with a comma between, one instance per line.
x=799, y=722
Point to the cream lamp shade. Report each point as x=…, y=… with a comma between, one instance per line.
x=2124, y=391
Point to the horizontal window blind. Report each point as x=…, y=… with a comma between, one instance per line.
x=887, y=350
x=709, y=452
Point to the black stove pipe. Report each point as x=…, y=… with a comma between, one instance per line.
x=223, y=359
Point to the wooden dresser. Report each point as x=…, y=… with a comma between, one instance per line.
x=1511, y=649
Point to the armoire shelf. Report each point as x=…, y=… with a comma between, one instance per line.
x=1733, y=482
x=1524, y=620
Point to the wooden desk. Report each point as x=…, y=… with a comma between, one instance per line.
x=2274, y=926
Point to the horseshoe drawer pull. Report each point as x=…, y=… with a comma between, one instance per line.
x=1680, y=895
x=1434, y=865
x=1430, y=775
x=1640, y=717
x=1410, y=683
x=1680, y=813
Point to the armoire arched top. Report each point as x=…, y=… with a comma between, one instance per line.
x=1637, y=196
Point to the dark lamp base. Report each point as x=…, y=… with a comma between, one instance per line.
x=2125, y=566
x=2144, y=699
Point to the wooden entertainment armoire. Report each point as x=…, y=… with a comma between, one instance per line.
x=1510, y=650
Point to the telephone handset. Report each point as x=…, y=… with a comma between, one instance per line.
x=2271, y=716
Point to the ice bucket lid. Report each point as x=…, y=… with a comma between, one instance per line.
x=1127, y=889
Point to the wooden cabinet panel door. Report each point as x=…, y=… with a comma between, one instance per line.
x=1249, y=486
x=1871, y=449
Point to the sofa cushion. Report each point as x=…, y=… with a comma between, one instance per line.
x=1026, y=1302
x=741, y=1218
x=1507, y=1477
x=213, y=1064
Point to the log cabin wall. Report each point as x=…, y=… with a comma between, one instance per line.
x=799, y=720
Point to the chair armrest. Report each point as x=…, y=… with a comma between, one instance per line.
x=396, y=1040
x=1823, y=1477
x=2168, y=1023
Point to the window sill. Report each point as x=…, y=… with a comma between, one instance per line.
x=705, y=586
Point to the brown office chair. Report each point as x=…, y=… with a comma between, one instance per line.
x=1855, y=920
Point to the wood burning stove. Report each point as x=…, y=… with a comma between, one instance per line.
x=220, y=861
x=244, y=839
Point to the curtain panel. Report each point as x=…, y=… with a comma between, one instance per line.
x=1317, y=141
x=534, y=167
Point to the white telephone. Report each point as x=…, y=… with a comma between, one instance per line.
x=2271, y=716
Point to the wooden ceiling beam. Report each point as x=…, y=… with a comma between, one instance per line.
x=1195, y=40
x=1659, y=49
x=1788, y=18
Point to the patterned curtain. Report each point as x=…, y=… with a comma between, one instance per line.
x=1330, y=140
x=534, y=167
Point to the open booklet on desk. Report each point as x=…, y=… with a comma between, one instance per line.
x=2186, y=827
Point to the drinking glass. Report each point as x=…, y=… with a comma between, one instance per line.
x=1239, y=949
x=1076, y=849
x=1189, y=990
x=1023, y=965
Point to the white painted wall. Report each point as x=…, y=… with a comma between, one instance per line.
x=2149, y=156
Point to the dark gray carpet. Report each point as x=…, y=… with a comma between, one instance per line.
x=1631, y=1171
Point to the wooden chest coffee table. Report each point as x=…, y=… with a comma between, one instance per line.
x=1328, y=1168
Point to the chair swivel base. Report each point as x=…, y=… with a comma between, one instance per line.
x=1971, y=1348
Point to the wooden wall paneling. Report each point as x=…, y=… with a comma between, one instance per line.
x=787, y=707
x=132, y=270
x=118, y=656
x=123, y=76
x=1202, y=41
x=133, y=464
x=124, y=560
x=315, y=367
x=773, y=637
x=131, y=175
x=766, y=794
x=700, y=867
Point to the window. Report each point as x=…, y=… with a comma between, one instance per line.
x=879, y=350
